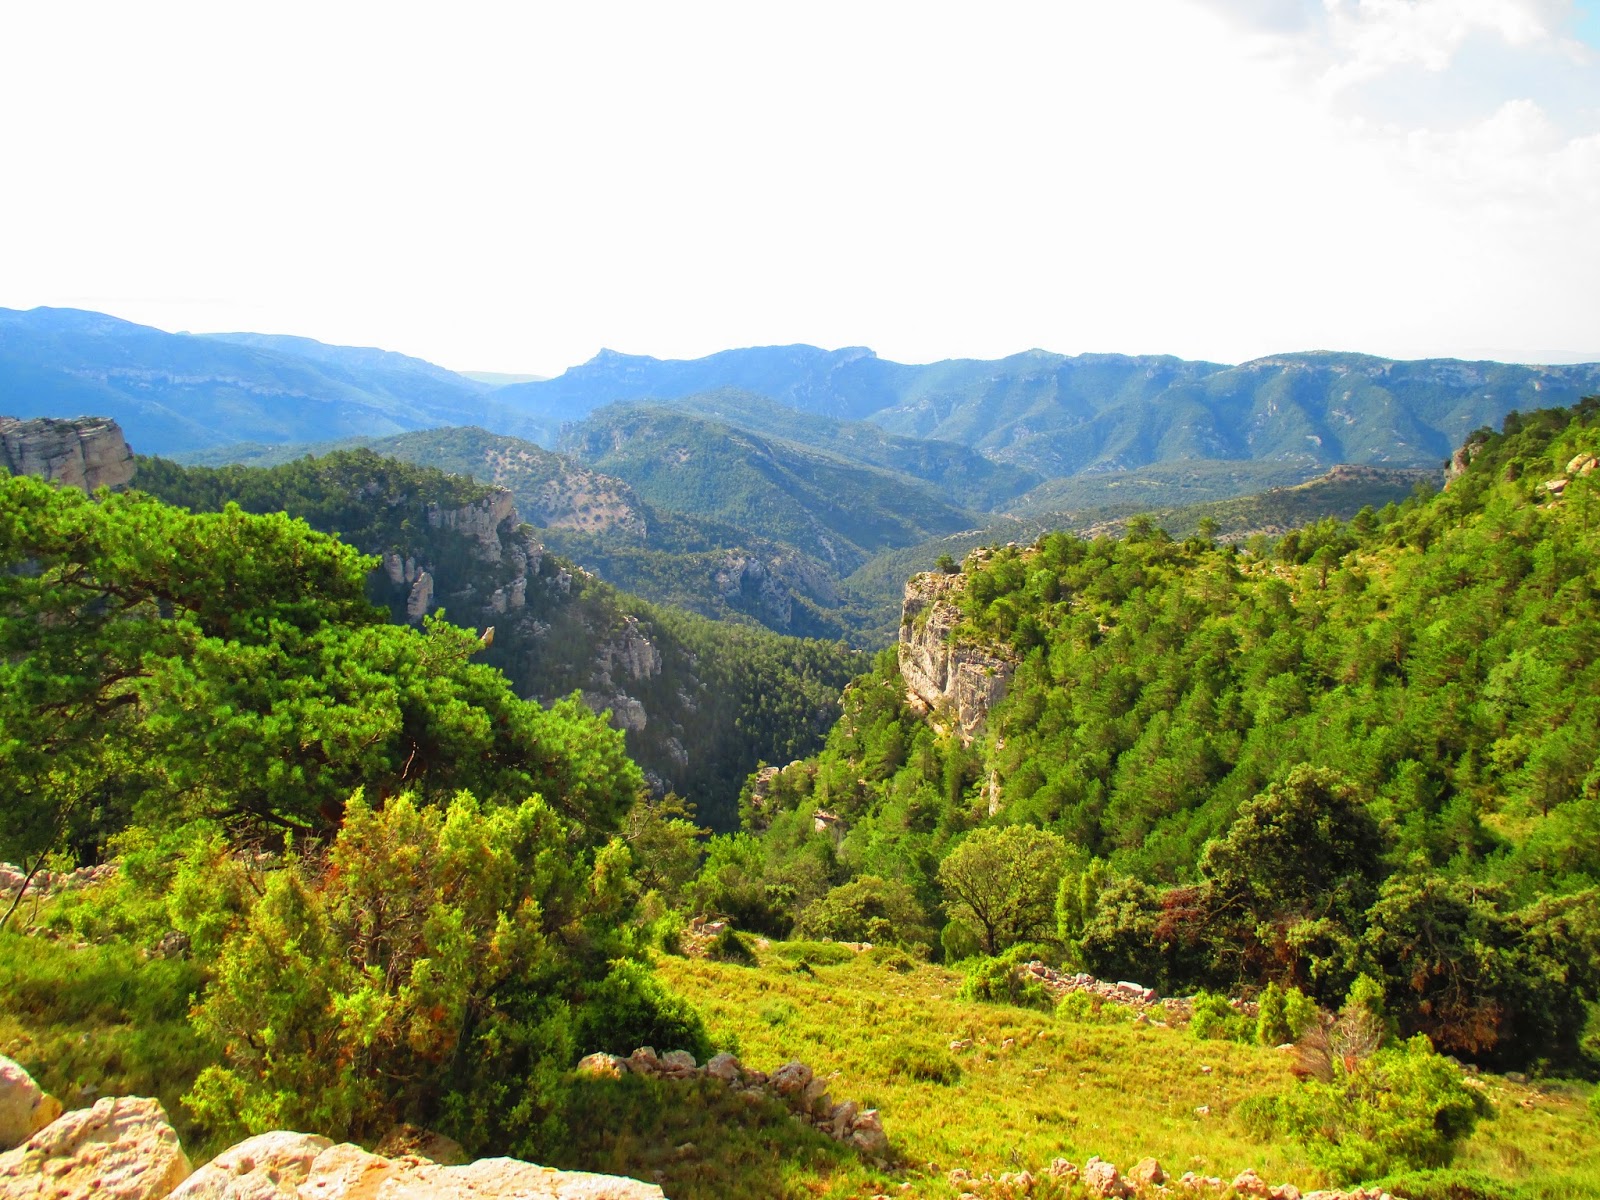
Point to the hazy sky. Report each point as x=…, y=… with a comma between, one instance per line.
x=511, y=187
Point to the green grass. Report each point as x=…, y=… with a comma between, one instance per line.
x=102, y=1021
x=1122, y=1091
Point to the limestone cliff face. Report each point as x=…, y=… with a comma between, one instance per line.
x=86, y=452
x=483, y=520
x=627, y=657
x=948, y=680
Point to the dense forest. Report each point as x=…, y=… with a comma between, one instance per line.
x=1367, y=748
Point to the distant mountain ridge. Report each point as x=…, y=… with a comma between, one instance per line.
x=1059, y=415
x=179, y=392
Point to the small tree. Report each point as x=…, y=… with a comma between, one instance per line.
x=1005, y=880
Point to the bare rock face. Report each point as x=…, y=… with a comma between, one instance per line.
x=481, y=520
x=347, y=1172
x=86, y=452
x=269, y=1167
x=25, y=1107
x=941, y=676
x=419, y=601
x=121, y=1149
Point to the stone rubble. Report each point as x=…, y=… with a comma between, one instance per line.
x=43, y=883
x=795, y=1084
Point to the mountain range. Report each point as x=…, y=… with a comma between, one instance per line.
x=1049, y=414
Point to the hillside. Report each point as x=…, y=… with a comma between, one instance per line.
x=1173, y=709
x=837, y=511
x=176, y=392
x=962, y=475
x=700, y=703
x=694, y=563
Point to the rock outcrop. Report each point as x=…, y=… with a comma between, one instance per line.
x=944, y=678
x=25, y=1107
x=86, y=452
x=481, y=520
x=121, y=1149
x=125, y=1149
x=296, y=1166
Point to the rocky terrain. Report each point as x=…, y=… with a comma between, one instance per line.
x=124, y=1148
x=945, y=678
x=85, y=452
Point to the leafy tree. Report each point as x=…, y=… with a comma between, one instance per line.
x=1005, y=880
x=665, y=843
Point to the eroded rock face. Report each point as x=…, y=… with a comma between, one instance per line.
x=121, y=1149
x=85, y=452
x=25, y=1107
x=481, y=520
x=943, y=677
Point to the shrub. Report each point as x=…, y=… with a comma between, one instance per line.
x=630, y=1008
x=727, y=947
x=958, y=941
x=1216, y=1020
x=867, y=909
x=924, y=1064
x=1404, y=1108
x=1000, y=981
x=891, y=958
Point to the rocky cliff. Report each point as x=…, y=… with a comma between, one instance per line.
x=953, y=682
x=86, y=452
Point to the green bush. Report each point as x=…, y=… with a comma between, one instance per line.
x=958, y=941
x=998, y=980
x=867, y=909
x=891, y=958
x=924, y=1064
x=630, y=1008
x=1404, y=1108
x=728, y=947
x=1216, y=1020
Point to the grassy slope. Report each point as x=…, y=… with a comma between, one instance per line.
x=98, y=1019
x=1121, y=1091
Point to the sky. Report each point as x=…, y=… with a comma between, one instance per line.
x=512, y=187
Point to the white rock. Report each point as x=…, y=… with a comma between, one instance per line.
x=269, y=1167
x=121, y=1149
x=25, y=1108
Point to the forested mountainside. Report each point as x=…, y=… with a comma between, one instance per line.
x=1367, y=749
x=1059, y=415
x=700, y=703
x=600, y=522
x=838, y=511
x=177, y=392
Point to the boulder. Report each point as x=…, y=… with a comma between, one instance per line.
x=1146, y=1172
x=1103, y=1179
x=866, y=1132
x=348, y=1172
x=602, y=1066
x=723, y=1066
x=680, y=1060
x=25, y=1107
x=121, y=1149
x=1248, y=1183
x=791, y=1078
x=269, y=1167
